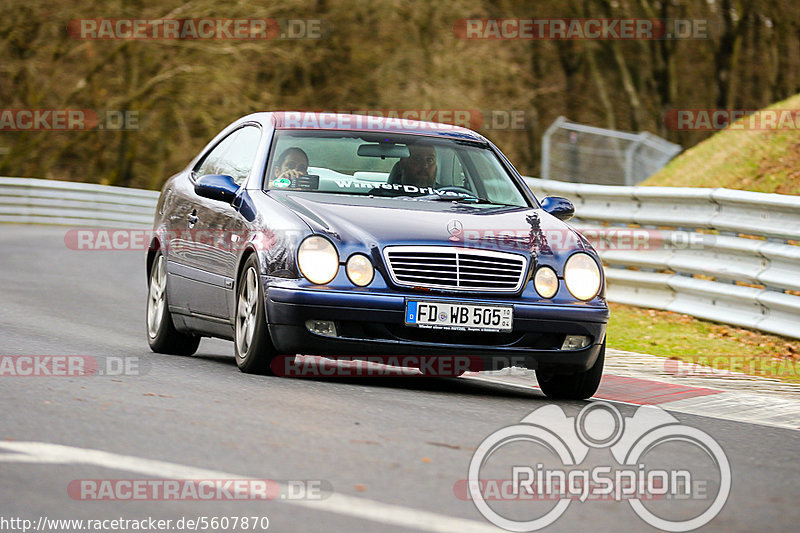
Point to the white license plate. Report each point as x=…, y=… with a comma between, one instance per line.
x=464, y=317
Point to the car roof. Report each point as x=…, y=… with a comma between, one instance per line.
x=292, y=120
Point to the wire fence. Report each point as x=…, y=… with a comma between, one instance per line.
x=585, y=154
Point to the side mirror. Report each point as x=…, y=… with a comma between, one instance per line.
x=559, y=207
x=216, y=187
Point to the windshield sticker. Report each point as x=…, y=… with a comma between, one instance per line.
x=409, y=189
x=282, y=183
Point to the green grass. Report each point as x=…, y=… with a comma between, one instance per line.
x=690, y=339
x=753, y=160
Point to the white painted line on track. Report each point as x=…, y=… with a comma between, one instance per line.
x=352, y=506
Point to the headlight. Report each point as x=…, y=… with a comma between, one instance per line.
x=582, y=276
x=360, y=270
x=546, y=282
x=318, y=259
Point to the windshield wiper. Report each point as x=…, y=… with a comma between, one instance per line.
x=464, y=199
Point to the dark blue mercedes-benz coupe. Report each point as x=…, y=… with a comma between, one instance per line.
x=346, y=235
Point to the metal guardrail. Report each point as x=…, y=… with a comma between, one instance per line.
x=722, y=255
x=39, y=201
x=724, y=276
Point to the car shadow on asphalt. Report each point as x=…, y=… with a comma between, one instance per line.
x=450, y=385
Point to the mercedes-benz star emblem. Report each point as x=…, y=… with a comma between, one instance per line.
x=455, y=228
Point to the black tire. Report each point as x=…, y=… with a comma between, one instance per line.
x=579, y=386
x=161, y=333
x=253, y=356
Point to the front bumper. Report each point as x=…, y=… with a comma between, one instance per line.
x=371, y=323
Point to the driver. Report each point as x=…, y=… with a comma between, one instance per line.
x=420, y=167
x=291, y=164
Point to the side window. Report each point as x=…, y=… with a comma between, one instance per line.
x=214, y=161
x=233, y=156
x=242, y=153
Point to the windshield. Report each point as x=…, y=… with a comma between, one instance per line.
x=403, y=166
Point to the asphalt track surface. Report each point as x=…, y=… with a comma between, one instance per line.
x=390, y=450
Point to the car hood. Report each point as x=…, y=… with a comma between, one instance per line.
x=375, y=221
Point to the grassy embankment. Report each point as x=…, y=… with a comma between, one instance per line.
x=754, y=160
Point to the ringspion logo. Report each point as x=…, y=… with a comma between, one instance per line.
x=677, y=499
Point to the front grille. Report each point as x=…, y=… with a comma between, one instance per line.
x=444, y=267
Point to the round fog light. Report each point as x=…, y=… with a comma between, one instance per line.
x=546, y=282
x=360, y=270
